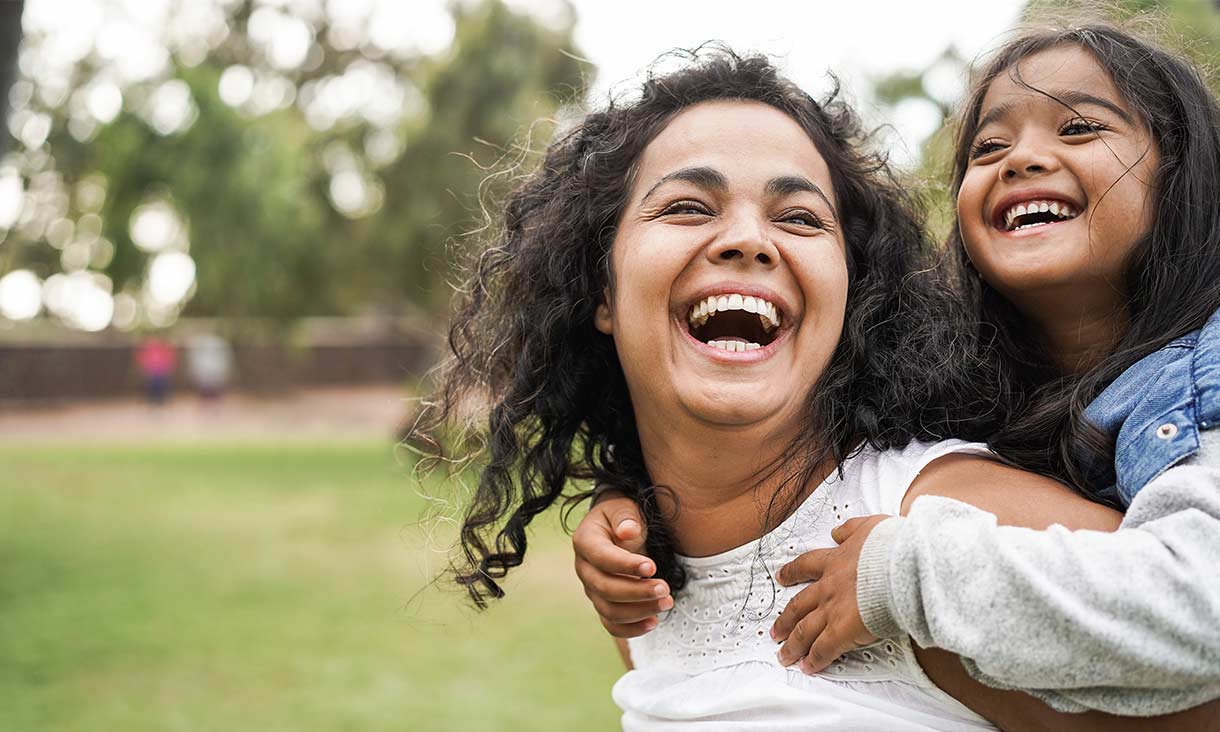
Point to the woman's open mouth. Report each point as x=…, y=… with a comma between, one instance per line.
x=734, y=322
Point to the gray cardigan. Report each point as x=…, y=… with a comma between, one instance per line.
x=1125, y=622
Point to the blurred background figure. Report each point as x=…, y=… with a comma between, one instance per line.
x=156, y=360
x=209, y=361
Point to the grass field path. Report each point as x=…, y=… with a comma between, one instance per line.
x=352, y=412
x=267, y=567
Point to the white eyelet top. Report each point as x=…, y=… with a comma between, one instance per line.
x=711, y=661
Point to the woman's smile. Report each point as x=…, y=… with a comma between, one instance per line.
x=732, y=229
x=735, y=323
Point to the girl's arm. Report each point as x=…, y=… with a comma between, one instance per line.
x=1014, y=711
x=1125, y=622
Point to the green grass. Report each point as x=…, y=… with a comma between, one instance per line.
x=269, y=588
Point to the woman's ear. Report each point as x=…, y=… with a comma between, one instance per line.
x=603, y=320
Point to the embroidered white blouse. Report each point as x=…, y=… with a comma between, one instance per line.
x=711, y=664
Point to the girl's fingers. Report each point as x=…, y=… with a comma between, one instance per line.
x=599, y=549
x=824, y=649
x=801, y=638
x=798, y=607
x=617, y=588
x=844, y=530
x=808, y=567
x=630, y=612
x=629, y=630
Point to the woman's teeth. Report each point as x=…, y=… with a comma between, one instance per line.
x=733, y=345
x=707, y=308
x=1037, y=213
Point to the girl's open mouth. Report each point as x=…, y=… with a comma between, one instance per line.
x=734, y=322
x=1032, y=214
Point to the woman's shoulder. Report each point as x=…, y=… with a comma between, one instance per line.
x=884, y=476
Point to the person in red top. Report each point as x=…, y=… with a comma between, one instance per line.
x=156, y=359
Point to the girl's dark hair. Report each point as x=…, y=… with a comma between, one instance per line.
x=1172, y=275
x=524, y=341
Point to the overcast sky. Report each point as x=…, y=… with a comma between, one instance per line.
x=857, y=39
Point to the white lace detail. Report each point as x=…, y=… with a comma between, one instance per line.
x=723, y=616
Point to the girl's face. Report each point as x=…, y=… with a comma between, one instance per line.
x=1059, y=185
x=729, y=278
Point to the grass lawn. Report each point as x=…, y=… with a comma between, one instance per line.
x=264, y=587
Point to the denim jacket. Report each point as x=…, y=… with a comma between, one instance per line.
x=1155, y=411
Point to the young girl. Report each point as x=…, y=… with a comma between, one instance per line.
x=1089, y=206
x=689, y=292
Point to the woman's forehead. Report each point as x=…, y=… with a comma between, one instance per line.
x=745, y=141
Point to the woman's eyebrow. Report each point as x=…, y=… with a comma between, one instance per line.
x=701, y=176
x=788, y=184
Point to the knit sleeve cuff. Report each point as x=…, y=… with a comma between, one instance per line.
x=873, y=580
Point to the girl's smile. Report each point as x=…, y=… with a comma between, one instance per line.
x=1059, y=185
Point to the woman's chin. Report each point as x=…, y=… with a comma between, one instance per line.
x=733, y=406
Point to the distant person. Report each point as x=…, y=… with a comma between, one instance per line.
x=156, y=360
x=209, y=361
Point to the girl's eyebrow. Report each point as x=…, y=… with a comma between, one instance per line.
x=712, y=179
x=1070, y=99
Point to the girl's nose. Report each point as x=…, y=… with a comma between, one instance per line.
x=1027, y=160
x=746, y=243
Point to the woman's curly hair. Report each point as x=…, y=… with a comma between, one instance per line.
x=524, y=343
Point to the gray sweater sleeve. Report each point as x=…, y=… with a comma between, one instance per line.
x=1125, y=622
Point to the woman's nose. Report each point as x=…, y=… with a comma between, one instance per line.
x=745, y=243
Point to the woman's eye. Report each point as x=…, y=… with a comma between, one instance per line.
x=1081, y=126
x=687, y=207
x=802, y=218
x=984, y=147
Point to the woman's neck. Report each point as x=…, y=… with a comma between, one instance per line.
x=719, y=484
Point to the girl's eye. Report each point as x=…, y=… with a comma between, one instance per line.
x=801, y=217
x=686, y=207
x=984, y=147
x=1081, y=126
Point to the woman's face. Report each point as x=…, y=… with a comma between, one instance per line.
x=729, y=278
x=1059, y=184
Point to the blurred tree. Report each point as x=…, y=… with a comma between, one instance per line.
x=10, y=37
x=284, y=160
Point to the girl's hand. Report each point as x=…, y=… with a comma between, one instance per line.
x=823, y=621
x=609, y=545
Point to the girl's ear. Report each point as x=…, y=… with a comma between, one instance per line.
x=603, y=320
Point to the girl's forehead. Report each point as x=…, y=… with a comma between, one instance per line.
x=1048, y=77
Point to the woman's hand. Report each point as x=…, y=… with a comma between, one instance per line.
x=609, y=545
x=823, y=621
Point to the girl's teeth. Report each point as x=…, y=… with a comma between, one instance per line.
x=1062, y=210
x=749, y=304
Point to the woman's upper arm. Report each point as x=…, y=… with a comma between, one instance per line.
x=1016, y=497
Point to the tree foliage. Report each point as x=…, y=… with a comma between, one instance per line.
x=285, y=212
